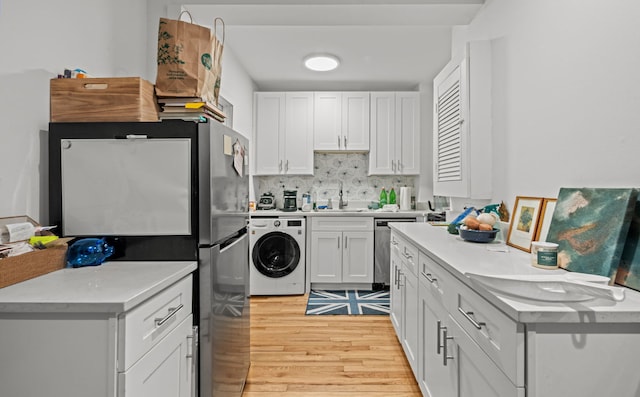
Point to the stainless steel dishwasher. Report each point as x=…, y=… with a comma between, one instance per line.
x=381, y=245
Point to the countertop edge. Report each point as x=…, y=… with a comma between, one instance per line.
x=95, y=304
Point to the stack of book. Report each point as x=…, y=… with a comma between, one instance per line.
x=192, y=108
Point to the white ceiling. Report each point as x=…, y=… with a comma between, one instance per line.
x=382, y=45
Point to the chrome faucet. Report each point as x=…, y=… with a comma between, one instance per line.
x=341, y=202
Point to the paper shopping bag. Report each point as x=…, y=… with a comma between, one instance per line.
x=189, y=60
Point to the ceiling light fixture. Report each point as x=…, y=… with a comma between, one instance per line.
x=321, y=62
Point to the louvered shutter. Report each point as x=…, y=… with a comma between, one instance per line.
x=449, y=132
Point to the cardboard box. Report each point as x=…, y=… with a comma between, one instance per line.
x=102, y=99
x=23, y=267
x=15, y=269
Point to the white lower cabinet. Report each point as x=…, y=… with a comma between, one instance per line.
x=448, y=360
x=166, y=370
x=145, y=351
x=404, y=306
x=341, y=250
x=472, y=343
x=435, y=376
x=477, y=375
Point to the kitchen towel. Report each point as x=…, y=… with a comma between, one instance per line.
x=405, y=198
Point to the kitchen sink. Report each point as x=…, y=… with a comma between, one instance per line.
x=344, y=210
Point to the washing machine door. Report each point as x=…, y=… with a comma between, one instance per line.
x=276, y=254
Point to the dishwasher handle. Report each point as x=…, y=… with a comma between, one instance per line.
x=384, y=223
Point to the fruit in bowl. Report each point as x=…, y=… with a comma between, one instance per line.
x=477, y=236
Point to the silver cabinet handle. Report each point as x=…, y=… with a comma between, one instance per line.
x=172, y=312
x=468, y=315
x=286, y=166
x=338, y=141
x=399, y=166
x=345, y=241
x=345, y=142
x=396, y=280
x=400, y=276
x=445, y=355
x=393, y=165
x=429, y=277
x=338, y=242
x=438, y=330
x=394, y=242
x=280, y=166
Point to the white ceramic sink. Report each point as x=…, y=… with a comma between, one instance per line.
x=559, y=287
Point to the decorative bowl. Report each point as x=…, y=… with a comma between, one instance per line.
x=478, y=236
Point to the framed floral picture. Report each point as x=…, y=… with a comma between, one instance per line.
x=524, y=222
x=546, y=214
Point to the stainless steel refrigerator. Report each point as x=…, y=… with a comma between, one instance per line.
x=173, y=190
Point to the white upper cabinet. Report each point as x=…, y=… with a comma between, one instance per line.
x=341, y=121
x=395, y=133
x=283, y=127
x=462, y=125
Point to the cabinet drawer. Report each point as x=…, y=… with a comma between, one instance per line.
x=342, y=223
x=165, y=370
x=438, y=282
x=144, y=326
x=408, y=254
x=495, y=333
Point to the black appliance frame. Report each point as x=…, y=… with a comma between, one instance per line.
x=128, y=248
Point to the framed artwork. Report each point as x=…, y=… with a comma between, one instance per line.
x=524, y=222
x=546, y=214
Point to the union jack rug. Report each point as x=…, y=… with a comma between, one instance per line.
x=348, y=302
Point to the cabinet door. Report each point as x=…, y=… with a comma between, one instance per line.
x=165, y=371
x=410, y=317
x=327, y=121
x=478, y=376
x=462, y=125
x=434, y=378
x=407, y=131
x=357, y=257
x=382, y=125
x=395, y=294
x=298, y=134
x=326, y=257
x=269, y=124
x=355, y=120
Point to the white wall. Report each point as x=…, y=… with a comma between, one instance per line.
x=566, y=93
x=39, y=39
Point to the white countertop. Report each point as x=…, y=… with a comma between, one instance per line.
x=113, y=287
x=344, y=212
x=459, y=257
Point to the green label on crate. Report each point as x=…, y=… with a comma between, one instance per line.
x=547, y=258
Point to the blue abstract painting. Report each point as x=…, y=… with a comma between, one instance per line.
x=590, y=226
x=629, y=268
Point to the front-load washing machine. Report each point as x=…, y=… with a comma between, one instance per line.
x=277, y=248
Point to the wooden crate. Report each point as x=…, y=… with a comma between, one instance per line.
x=23, y=267
x=102, y=99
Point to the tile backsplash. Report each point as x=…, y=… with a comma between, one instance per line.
x=330, y=170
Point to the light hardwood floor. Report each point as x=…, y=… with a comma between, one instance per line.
x=294, y=355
